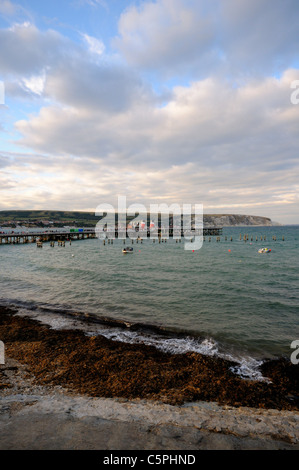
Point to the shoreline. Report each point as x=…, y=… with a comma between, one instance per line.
x=98, y=366
x=168, y=339
x=62, y=383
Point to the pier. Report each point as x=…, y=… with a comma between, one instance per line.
x=16, y=237
x=60, y=236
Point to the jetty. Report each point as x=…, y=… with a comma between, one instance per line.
x=68, y=234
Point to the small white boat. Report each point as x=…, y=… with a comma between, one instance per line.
x=264, y=250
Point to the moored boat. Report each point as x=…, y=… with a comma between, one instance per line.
x=264, y=250
x=127, y=250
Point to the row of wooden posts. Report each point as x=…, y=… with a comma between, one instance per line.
x=39, y=243
x=263, y=237
x=218, y=239
x=246, y=238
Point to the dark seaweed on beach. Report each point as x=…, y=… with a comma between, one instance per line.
x=99, y=367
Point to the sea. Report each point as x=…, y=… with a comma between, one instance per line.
x=225, y=299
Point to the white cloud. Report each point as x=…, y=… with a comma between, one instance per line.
x=96, y=3
x=95, y=45
x=35, y=83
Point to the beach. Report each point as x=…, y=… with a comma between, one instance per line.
x=74, y=391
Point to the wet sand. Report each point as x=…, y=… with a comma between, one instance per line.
x=69, y=390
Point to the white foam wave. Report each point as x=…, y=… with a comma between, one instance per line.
x=246, y=367
x=168, y=345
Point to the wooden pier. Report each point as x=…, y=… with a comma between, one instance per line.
x=160, y=235
x=15, y=237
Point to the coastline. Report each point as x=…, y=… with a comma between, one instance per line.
x=106, y=383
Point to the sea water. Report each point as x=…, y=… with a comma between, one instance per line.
x=225, y=299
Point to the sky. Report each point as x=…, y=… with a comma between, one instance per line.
x=166, y=101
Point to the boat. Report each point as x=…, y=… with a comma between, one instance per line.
x=264, y=250
x=128, y=250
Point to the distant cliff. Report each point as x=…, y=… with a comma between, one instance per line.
x=89, y=219
x=229, y=220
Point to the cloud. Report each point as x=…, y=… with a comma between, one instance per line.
x=210, y=124
x=49, y=64
x=232, y=37
x=96, y=3
x=39, y=184
x=87, y=85
x=35, y=84
x=26, y=51
x=165, y=34
x=260, y=37
x=95, y=45
x=100, y=128
x=7, y=8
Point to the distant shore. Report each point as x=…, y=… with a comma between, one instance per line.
x=50, y=372
x=50, y=218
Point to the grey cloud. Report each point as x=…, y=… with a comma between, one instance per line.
x=4, y=161
x=236, y=37
x=166, y=35
x=99, y=86
x=260, y=36
x=26, y=51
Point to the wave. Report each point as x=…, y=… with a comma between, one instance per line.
x=167, y=340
